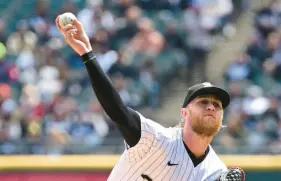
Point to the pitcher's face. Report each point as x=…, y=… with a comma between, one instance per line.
x=204, y=114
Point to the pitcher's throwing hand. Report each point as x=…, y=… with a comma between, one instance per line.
x=75, y=36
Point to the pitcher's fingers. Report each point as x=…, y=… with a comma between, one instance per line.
x=70, y=37
x=71, y=31
x=58, y=24
x=78, y=25
x=68, y=27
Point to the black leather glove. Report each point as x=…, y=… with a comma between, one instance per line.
x=232, y=174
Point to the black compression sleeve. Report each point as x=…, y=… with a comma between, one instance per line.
x=126, y=119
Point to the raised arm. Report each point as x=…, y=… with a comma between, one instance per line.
x=126, y=119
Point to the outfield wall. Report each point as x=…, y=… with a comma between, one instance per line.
x=97, y=167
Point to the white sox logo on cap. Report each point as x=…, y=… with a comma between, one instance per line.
x=207, y=84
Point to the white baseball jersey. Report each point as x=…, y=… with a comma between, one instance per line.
x=160, y=155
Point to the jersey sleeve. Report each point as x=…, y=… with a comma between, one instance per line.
x=126, y=119
x=151, y=136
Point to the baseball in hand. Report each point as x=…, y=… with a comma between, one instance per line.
x=66, y=18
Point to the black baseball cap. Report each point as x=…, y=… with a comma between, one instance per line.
x=205, y=89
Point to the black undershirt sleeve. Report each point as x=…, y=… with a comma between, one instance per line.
x=126, y=119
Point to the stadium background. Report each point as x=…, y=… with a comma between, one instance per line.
x=51, y=124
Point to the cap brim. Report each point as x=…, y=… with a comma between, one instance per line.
x=219, y=92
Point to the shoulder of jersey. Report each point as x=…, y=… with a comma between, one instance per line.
x=168, y=132
x=171, y=132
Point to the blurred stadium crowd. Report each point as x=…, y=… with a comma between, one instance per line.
x=254, y=81
x=47, y=105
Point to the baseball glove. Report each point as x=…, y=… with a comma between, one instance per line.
x=232, y=174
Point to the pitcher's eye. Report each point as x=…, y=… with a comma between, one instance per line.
x=204, y=102
x=216, y=104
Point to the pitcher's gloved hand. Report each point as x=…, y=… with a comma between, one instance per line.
x=232, y=174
